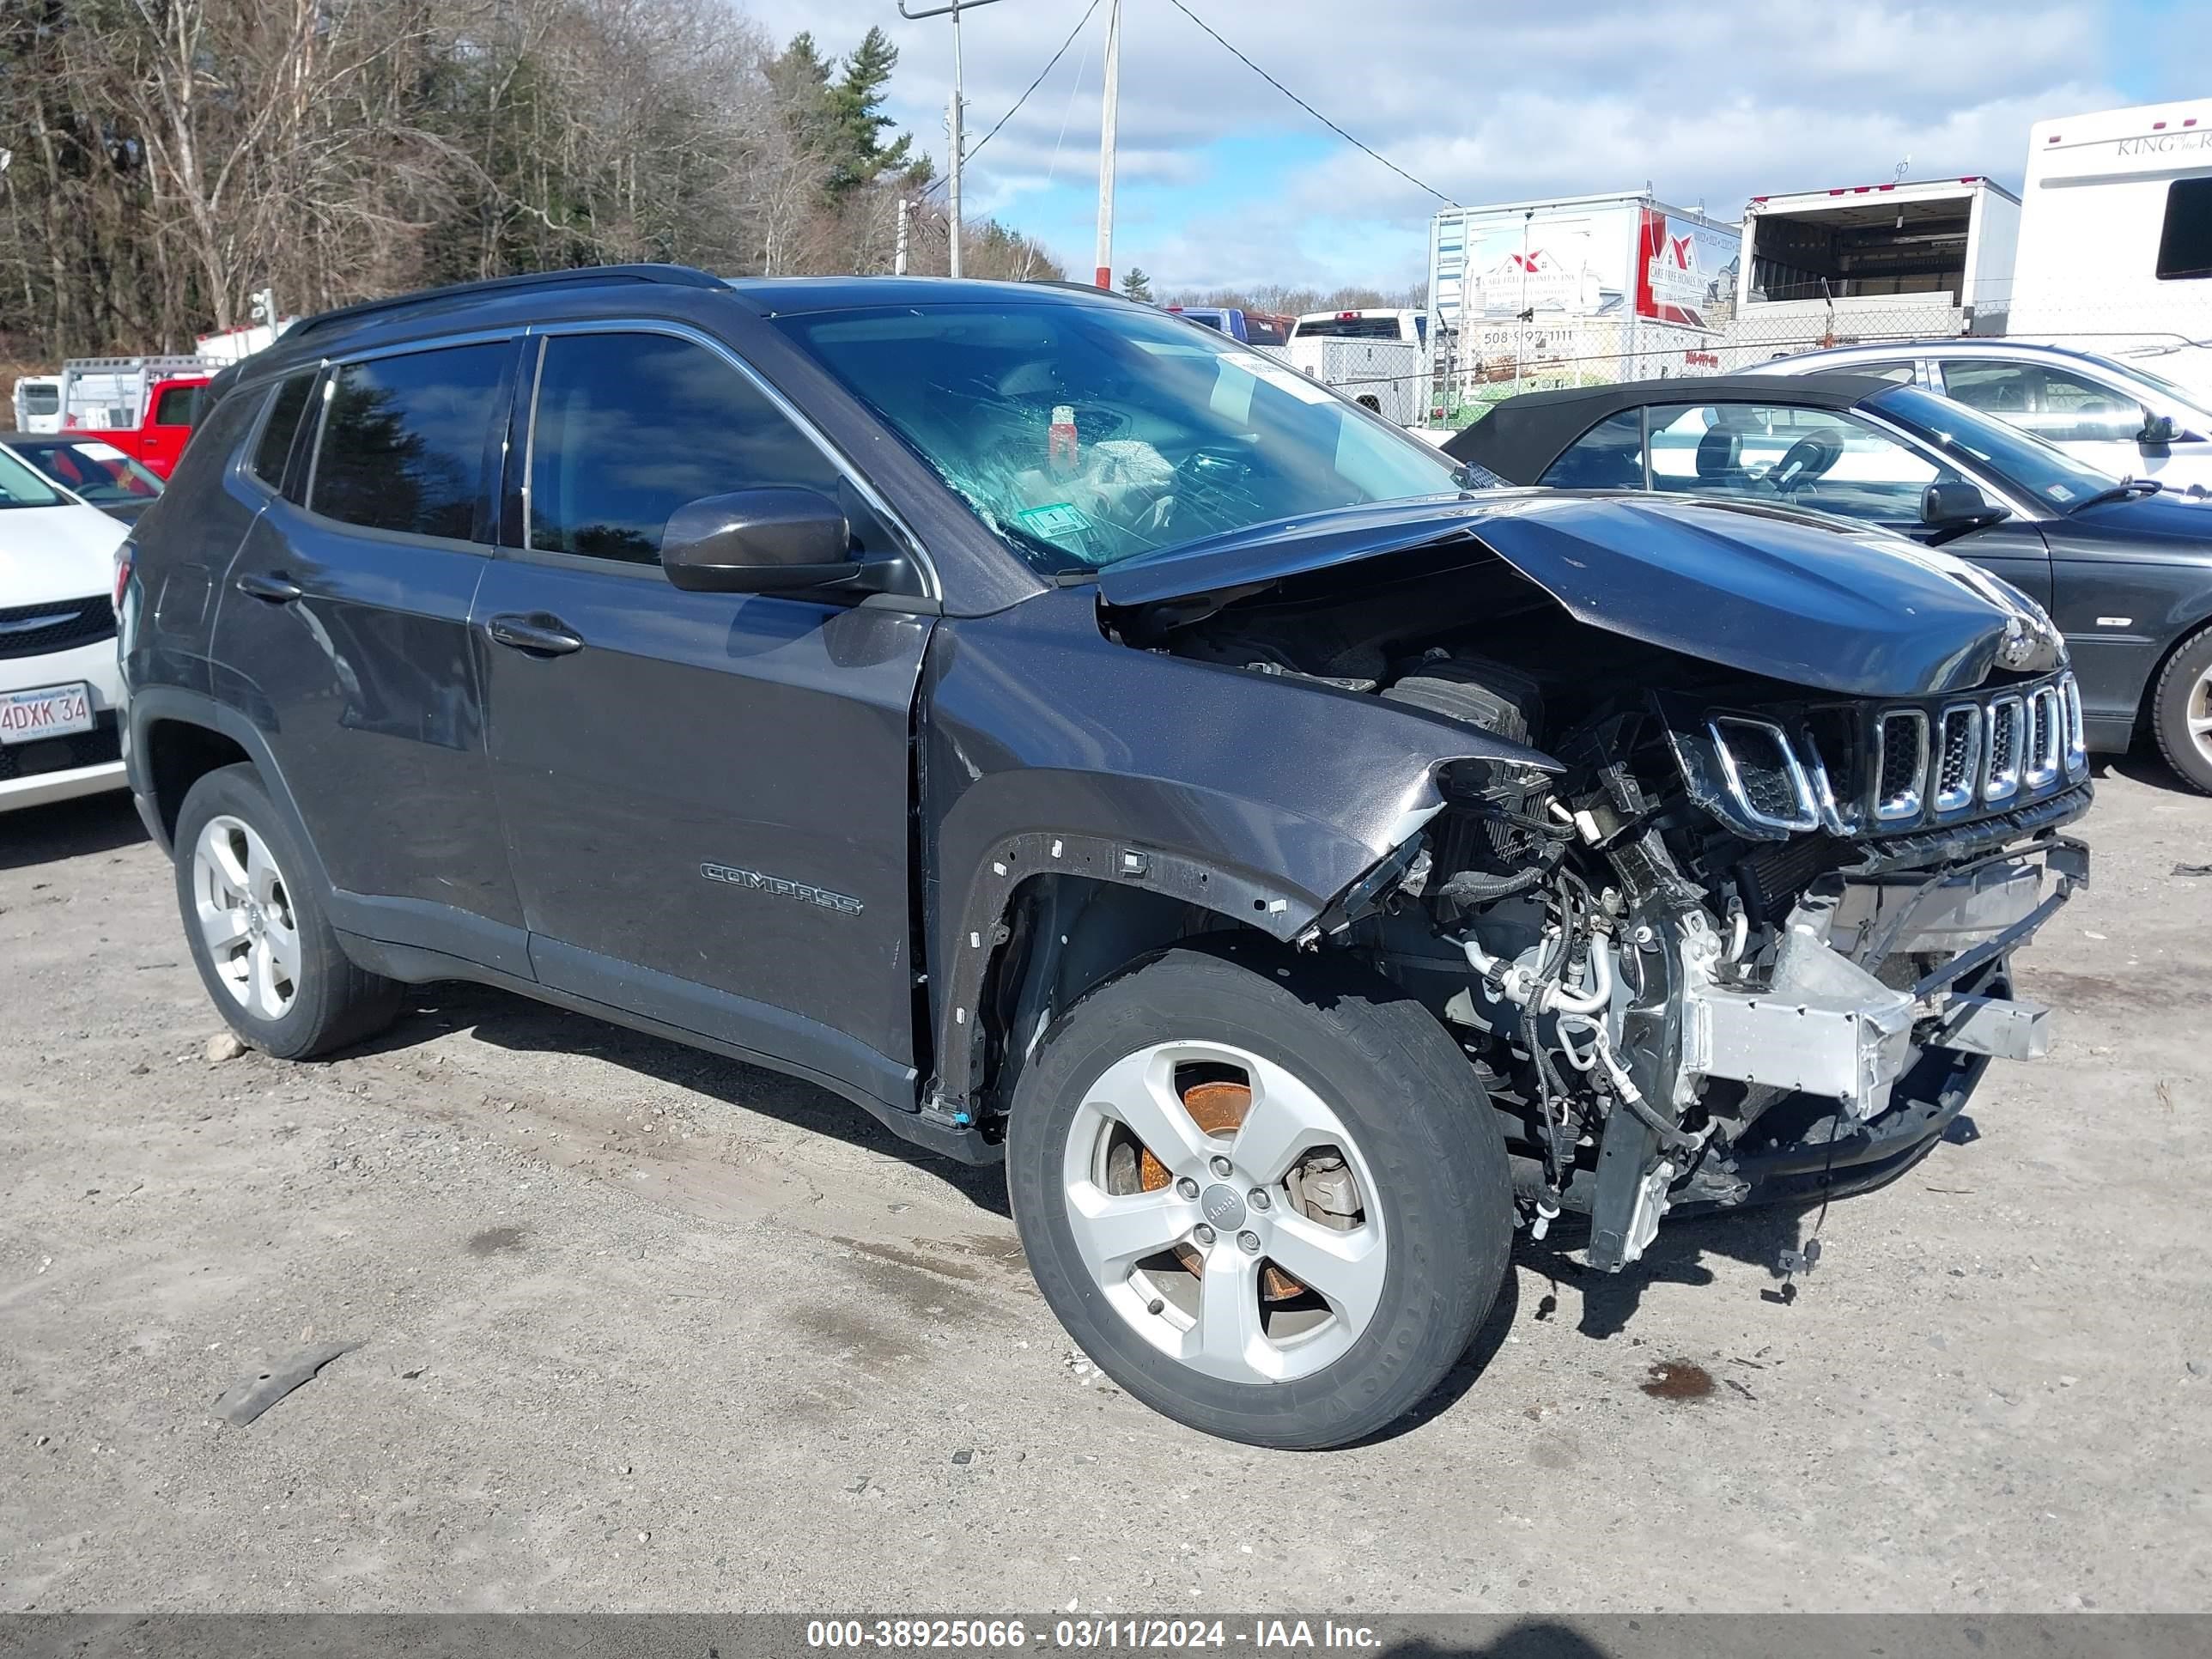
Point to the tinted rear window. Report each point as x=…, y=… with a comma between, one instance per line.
x=1264, y=330
x=42, y=400
x=276, y=441
x=404, y=439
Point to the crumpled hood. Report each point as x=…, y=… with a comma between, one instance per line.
x=1795, y=597
x=48, y=553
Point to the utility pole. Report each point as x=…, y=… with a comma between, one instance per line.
x=1106, y=133
x=898, y=255
x=953, y=110
x=1521, y=351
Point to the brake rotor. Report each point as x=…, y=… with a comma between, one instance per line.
x=1217, y=1108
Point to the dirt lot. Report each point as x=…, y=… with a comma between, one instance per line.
x=643, y=1329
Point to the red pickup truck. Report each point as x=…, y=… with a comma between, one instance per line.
x=145, y=406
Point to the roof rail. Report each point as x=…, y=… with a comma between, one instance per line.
x=174, y=360
x=1077, y=288
x=677, y=276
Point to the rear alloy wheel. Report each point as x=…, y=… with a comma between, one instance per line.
x=246, y=917
x=268, y=955
x=1273, y=1205
x=2181, y=711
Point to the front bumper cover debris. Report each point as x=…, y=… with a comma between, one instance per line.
x=1864, y=1074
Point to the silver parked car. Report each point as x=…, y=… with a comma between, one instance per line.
x=2118, y=417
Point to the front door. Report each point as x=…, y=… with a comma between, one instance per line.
x=2098, y=424
x=168, y=426
x=343, y=632
x=1828, y=461
x=706, y=795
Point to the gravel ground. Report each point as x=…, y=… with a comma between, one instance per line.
x=640, y=1328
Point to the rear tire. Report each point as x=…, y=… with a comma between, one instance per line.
x=266, y=952
x=1328, y=1306
x=2181, y=711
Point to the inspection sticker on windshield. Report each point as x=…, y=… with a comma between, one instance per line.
x=1281, y=376
x=1058, y=519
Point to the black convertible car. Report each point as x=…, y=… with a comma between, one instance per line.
x=2124, y=567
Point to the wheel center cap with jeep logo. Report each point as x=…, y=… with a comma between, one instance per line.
x=256, y=923
x=1224, y=1206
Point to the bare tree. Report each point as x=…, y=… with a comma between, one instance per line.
x=170, y=156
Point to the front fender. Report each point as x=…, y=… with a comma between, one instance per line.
x=1047, y=748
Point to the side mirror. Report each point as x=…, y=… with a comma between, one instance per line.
x=1959, y=506
x=758, y=541
x=2158, y=429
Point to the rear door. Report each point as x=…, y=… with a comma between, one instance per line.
x=344, y=635
x=706, y=795
x=2095, y=424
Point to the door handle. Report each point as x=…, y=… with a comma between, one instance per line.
x=273, y=585
x=545, y=636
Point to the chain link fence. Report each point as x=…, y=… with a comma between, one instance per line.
x=1491, y=359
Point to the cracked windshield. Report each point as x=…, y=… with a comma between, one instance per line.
x=1086, y=435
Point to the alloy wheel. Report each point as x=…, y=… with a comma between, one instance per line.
x=244, y=908
x=1223, y=1210
x=2196, y=711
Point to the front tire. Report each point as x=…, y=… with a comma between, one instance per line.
x=1265, y=1193
x=2181, y=712
x=268, y=955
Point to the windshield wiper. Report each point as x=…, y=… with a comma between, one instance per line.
x=2121, y=491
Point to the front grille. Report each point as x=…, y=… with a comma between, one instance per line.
x=1978, y=756
x=1856, y=769
x=32, y=630
x=93, y=748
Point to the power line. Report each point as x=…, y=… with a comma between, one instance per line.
x=1309, y=108
x=1048, y=68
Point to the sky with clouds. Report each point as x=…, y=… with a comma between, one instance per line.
x=1221, y=181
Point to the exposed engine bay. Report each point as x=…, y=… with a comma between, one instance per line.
x=1723, y=939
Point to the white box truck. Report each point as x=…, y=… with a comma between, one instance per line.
x=1924, y=257
x=1575, y=290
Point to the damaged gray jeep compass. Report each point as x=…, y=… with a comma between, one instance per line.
x=1080, y=740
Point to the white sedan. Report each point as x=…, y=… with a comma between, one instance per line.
x=59, y=686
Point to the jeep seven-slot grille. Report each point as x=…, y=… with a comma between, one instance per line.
x=1977, y=754
x=32, y=630
x=1852, y=769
